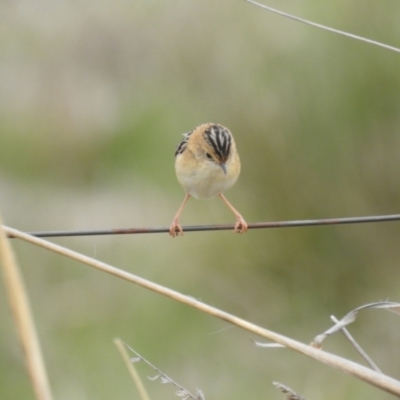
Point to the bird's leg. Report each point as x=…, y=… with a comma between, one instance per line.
x=241, y=224
x=175, y=228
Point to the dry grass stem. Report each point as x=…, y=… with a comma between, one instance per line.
x=23, y=318
x=380, y=381
x=351, y=317
x=132, y=370
x=291, y=394
x=165, y=379
x=357, y=347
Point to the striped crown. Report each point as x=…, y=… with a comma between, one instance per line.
x=220, y=139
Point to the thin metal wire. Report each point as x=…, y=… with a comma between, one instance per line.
x=223, y=227
x=327, y=28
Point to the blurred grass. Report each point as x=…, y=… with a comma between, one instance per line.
x=94, y=97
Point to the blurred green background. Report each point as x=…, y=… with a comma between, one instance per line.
x=94, y=97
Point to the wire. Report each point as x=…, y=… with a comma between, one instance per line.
x=223, y=227
x=327, y=28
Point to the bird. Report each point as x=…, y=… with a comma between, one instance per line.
x=206, y=164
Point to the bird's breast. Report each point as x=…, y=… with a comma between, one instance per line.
x=204, y=180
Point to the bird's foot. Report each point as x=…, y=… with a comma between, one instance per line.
x=241, y=225
x=175, y=228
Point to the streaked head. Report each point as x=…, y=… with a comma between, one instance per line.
x=219, y=144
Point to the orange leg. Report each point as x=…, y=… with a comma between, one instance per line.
x=241, y=224
x=175, y=228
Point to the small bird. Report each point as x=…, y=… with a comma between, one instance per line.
x=206, y=164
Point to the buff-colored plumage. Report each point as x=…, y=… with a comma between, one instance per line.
x=207, y=164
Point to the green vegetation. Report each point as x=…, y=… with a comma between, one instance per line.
x=94, y=97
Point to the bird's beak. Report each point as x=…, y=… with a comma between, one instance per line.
x=223, y=166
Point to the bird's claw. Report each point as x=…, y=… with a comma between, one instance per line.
x=175, y=229
x=240, y=226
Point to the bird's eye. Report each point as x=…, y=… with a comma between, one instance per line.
x=208, y=155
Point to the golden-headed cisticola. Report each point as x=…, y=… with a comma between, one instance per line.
x=206, y=164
